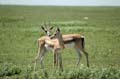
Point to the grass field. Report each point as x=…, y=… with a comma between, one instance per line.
x=20, y=29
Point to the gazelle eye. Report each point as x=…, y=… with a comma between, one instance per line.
x=46, y=31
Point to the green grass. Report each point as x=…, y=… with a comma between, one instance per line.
x=20, y=29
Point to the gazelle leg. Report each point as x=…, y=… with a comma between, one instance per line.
x=79, y=55
x=36, y=58
x=40, y=48
x=87, y=59
x=35, y=65
x=42, y=57
x=60, y=60
x=42, y=54
x=55, y=58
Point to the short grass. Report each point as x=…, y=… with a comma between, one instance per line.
x=20, y=29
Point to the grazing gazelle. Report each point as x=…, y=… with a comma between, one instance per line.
x=76, y=40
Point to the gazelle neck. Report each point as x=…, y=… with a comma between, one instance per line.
x=60, y=39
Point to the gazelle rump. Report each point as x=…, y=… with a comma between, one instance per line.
x=76, y=39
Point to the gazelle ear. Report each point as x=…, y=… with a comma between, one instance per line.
x=51, y=28
x=43, y=28
x=58, y=29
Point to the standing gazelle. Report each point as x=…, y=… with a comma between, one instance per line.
x=77, y=41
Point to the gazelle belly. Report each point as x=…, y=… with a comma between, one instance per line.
x=69, y=45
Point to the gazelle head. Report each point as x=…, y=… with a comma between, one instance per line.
x=47, y=29
x=57, y=33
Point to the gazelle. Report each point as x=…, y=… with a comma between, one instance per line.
x=77, y=41
x=45, y=43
